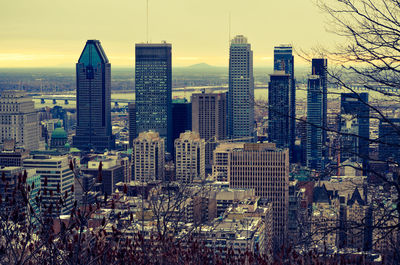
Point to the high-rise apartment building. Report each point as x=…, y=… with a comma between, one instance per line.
x=284, y=61
x=354, y=122
x=148, y=152
x=19, y=119
x=54, y=172
x=220, y=163
x=241, y=90
x=131, y=123
x=153, y=90
x=93, y=99
x=278, y=109
x=209, y=120
x=189, y=157
x=319, y=67
x=314, y=122
x=264, y=168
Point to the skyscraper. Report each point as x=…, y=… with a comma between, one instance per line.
x=241, y=90
x=284, y=61
x=390, y=139
x=181, y=116
x=19, y=120
x=93, y=99
x=319, y=67
x=153, y=90
x=209, y=120
x=278, y=109
x=264, y=168
x=354, y=122
x=314, y=122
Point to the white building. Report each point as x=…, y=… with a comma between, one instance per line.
x=148, y=151
x=189, y=157
x=54, y=172
x=19, y=119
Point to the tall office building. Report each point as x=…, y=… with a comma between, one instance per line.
x=189, y=157
x=209, y=120
x=131, y=123
x=390, y=139
x=54, y=172
x=181, y=116
x=354, y=120
x=93, y=99
x=278, y=109
x=153, y=90
x=148, y=153
x=314, y=122
x=320, y=67
x=284, y=61
x=241, y=90
x=264, y=168
x=19, y=119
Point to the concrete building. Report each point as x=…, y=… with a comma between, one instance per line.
x=209, y=119
x=221, y=160
x=148, y=155
x=264, y=168
x=54, y=172
x=19, y=120
x=189, y=157
x=241, y=90
x=93, y=99
x=111, y=173
x=153, y=90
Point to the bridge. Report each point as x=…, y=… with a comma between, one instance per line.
x=68, y=98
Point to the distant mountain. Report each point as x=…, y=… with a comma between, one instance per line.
x=201, y=66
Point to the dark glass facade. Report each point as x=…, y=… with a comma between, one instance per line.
x=278, y=109
x=93, y=81
x=284, y=61
x=153, y=90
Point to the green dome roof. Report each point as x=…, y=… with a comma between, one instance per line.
x=67, y=145
x=59, y=133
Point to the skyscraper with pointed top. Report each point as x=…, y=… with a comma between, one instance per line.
x=241, y=90
x=93, y=99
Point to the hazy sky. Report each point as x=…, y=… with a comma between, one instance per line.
x=47, y=33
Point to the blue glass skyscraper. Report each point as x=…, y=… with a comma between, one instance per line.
x=153, y=90
x=93, y=95
x=278, y=109
x=284, y=61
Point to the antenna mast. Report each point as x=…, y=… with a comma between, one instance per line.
x=147, y=21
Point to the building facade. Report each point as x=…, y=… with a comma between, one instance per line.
x=314, y=123
x=278, y=109
x=131, y=123
x=19, y=120
x=153, y=90
x=93, y=99
x=284, y=61
x=148, y=153
x=189, y=157
x=209, y=120
x=241, y=90
x=264, y=168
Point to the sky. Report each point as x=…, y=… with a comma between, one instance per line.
x=52, y=33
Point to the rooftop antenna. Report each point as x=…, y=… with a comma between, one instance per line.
x=147, y=21
x=229, y=27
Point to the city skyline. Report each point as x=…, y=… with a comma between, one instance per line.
x=58, y=40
